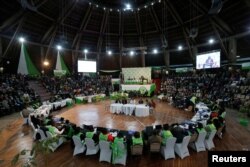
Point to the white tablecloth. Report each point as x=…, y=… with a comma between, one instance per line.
x=202, y=111
x=141, y=110
x=89, y=98
x=128, y=109
x=116, y=108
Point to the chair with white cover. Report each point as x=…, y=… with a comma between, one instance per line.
x=167, y=150
x=54, y=145
x=199, y=144
x=209, y=142
x=92, y=148
x=136, y=149
x=34, y=130
x=181, y=148
x=121, y=159
x=105, y=151
x=42, y=134
x=79, y=146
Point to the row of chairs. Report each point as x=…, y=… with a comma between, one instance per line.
x=168, y=150
x=104, y=147
x=38, y=131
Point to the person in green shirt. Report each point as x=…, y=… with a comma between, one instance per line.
x=209, y=128
x=92, y=135
x=117, y=152
x=137, y=139
x=165, y=134
x=53, y=130
x=200, y=128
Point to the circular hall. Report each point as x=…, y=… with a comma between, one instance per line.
x=124, y=83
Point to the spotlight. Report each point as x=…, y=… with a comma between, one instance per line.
x=211, y=41
x=21, y=39
x=59, y=47
x=128, y=6
x=180, y=47
x=155, y=51
x=46, y=63
x=109, y=52
x=131, y=53
x=85, y=51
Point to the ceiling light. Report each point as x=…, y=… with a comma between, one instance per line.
x=109, y=52
x=85, y=51
x=155, y=51
x=128, y=6
x=238, y=56
x=211, y=41
x=152, y=3
x=180, y=47
x=145, y=6
x=59, y=47
x=21, y=39
x=46, y=63
x=131, y=53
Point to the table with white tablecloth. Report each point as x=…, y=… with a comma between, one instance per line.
x=140, y=110
x=202, y=115
x=116, y=108
x=128, y=109
x=89, y=98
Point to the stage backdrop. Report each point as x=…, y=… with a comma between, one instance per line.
x=137, y=73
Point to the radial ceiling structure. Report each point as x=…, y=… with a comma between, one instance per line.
x=114, y=26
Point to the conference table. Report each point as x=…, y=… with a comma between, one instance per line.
x=202, y=115
x=89, y=98
x=141, y=110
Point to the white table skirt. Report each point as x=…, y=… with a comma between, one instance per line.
x=140, y=110
x=89, y=98
x=128, y=109
x=116, y=108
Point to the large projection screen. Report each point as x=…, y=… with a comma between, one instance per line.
x=86, y=66
x=208, y=60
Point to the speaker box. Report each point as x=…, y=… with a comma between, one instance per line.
x=216, y=7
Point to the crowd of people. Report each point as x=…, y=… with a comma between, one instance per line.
x=77, y=85
x=206, y=86
x=15, y=93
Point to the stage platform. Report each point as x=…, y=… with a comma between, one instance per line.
x=150, y=88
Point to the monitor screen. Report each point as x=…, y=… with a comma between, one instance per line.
x=208, y=60
x=86, y=66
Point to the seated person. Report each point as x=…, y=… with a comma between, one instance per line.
x=209, y=128
x=200, y=128
x=116, y=150
x=179, y=133
x=132, y=101
x=155, y=138
x=191, y=104
x=69, y=129
x=79, y=133
x=140, y=101
x=53, y=130
x=124, y=101
x=147, y=103
x=166, y=134
x=105, y=136
x=137, y=139
x=92, y=135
